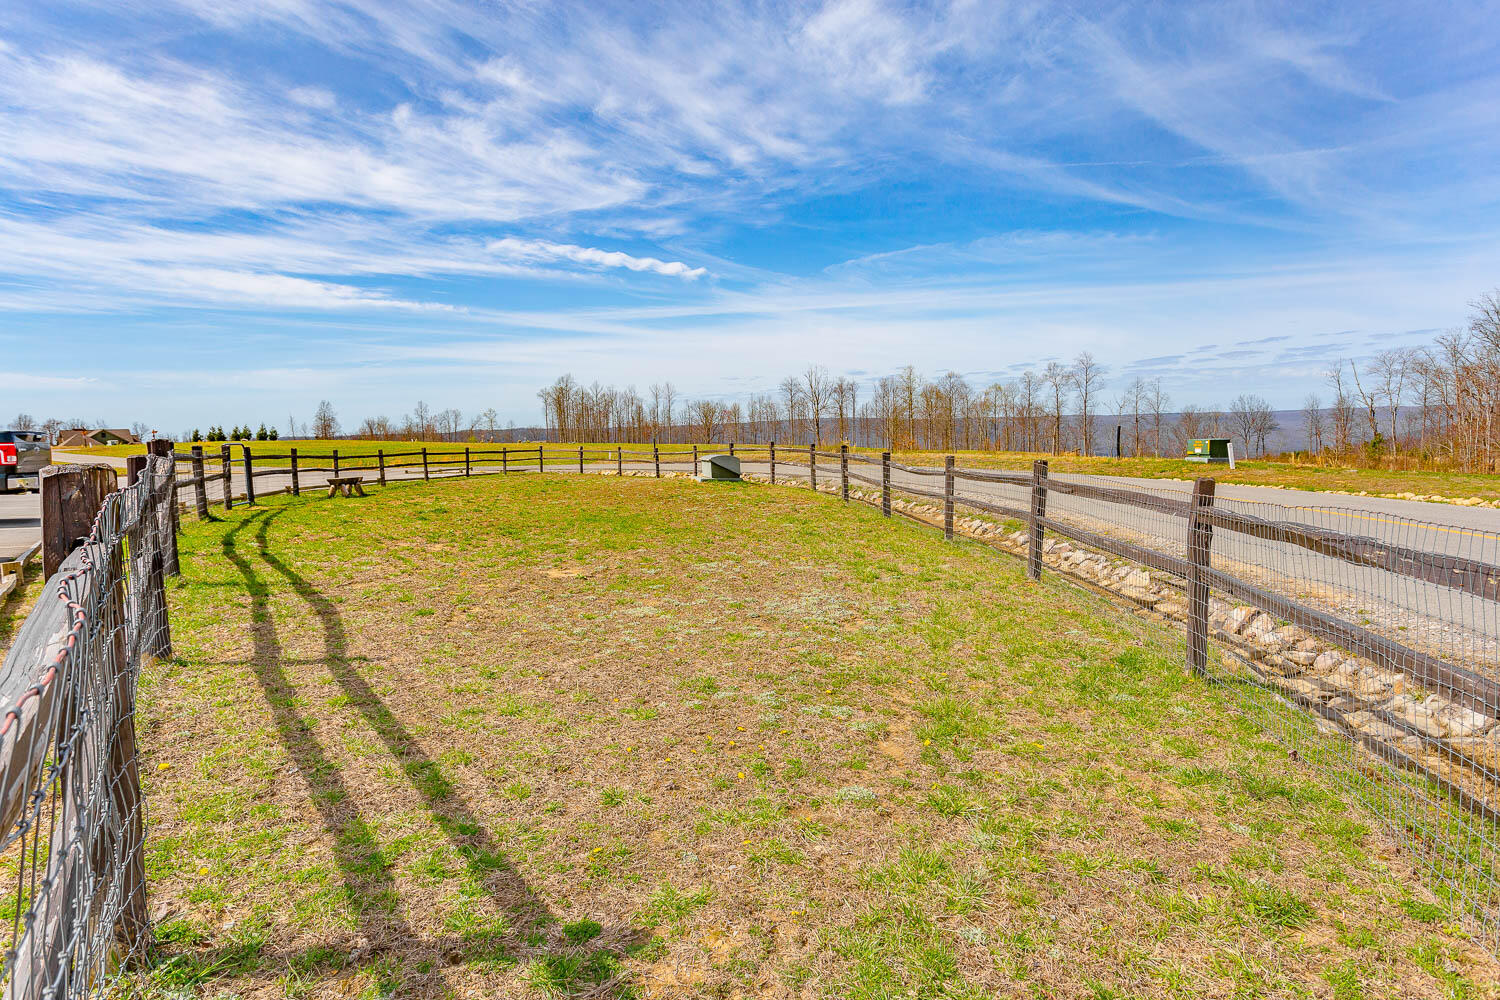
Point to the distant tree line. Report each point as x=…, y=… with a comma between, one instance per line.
x=1055, y=410
x=426, y=424
x=1428, y=406
x=262, y=433
x=54, y=427
x=1434, y=405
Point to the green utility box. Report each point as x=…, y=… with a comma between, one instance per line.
x=719, y=469
x=1210, y=450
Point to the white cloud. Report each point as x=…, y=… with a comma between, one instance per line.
x=313, y=97
x=541, y=250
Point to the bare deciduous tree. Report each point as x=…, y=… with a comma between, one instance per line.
x=1312, y=419
x=1086, y=375
x=325, y=421
x=816, y=390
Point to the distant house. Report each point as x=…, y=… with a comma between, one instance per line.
x=80, y=437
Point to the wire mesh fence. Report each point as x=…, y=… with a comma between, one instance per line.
x=74, y=817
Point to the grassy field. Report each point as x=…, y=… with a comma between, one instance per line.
x=554, y=736
x=1302, y=476
x=15, y=605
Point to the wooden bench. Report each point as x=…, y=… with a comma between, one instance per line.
x=349, y=486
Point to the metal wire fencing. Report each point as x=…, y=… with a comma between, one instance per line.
x=70, y=793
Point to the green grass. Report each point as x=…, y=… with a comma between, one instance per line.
x=661, y=739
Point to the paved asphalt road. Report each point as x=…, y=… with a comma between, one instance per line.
x=20, y=523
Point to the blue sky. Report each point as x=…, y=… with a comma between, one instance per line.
x=214, y=212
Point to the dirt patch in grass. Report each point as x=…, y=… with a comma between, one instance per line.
x=584, y=736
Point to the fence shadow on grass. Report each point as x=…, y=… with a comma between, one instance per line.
x=526, y=930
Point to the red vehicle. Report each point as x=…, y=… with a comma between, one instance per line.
x=23, y=456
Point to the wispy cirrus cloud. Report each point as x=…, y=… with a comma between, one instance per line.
x=544, y=251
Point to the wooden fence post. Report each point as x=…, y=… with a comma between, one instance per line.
x=154, y=611
x=425, y=476
x=1038, y=511
x=1200, y=543
x=844, y=471
x=122, y=771
x=226, y=465
x=296, y=482
x=504, y=459
x=380, y=463
x=249, y=478
x=335, y=463
x=695, y=460
x=619, y=460
x=71, y=496
x=541, y=458
x=948, y=498
x=731, y=448
x=580, y=460
x=656, y=457
x=885, y=483
x=773, y=463
x=466, y=461
x=163, y=448
x=200, y=488
x=812, y=465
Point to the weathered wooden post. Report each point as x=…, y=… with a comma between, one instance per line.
x=380, y=464
x=885, y=483
x=71, y=496
x=335, y=463
x=948, y=498
x=466, y=461
x=153, y=613
x=296, y=480
x=773, y=463
x=695, y=460
x=731, y=448
x=580, y=460
x=619, y=460
x=249, y=478
x=844, y=471
x=1038, y=511
x=163, y=448
x=425, y=476
x=126, y=846
x=227, y=466
x=812, y=465
x=656, y=457
x=200, y=487
x=540, y=459
x=1200, y=544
